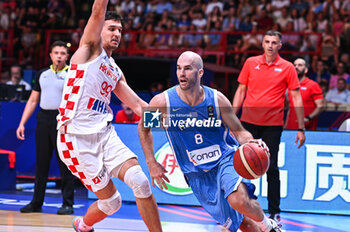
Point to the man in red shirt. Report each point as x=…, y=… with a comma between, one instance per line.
x=263, y=82
x=312, y=96
x=126, y=115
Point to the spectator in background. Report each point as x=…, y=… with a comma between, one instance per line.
x=228, y=5
x=197, y=6
x=231, y=18
x=264, y=21
x=245, y=8
x=324, y=87
x=180, y=7
x=162, y=6
x=322, y=22
x=302, y=6
x=298, y=21
x=29, y=43
x=321, y=73
x=16, y=75
x=126, y=115
x=193, y=40
x=246, y=24
x=48, y=93
x=340, y=74
x=313, y=101
x=339, y=95
x=212, y=4
x=214, y=16
x=148, y=37
x=126, y=6
x=291, y=41
x=78, y=34
x=284, y=19
x=212, y=41
x=277, y=7
x=199, y=21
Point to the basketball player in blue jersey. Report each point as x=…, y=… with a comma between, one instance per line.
x=198, y=123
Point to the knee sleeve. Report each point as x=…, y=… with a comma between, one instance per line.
x=111, y=205
x=138, y=182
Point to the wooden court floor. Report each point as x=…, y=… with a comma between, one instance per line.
x=174, y=218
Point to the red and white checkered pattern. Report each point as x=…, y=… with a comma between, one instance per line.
x=70, y=156
x=71, y=95
x=95, y=80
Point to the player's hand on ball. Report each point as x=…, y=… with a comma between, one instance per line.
x=261, y=144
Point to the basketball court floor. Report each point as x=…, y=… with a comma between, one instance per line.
x=174, y=218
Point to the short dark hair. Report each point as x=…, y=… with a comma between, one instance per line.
x=16, y=66
x=112, y=15
x=274, y=33
x=58, y=43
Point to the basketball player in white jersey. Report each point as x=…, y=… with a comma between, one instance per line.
x=87, y=142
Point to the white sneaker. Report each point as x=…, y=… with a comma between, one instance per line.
x=275, y=226
x=277, y=218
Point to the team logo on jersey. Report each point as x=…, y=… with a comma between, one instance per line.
x=257, y=67
x=96, y=180
x=151, y=119
x=177, y=184
x=97, y=105
x=211, y=111
x=205, y=155
x=278, y=69
x=106, y=70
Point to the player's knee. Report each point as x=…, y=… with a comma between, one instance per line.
x=136, y=179
x=111, y=205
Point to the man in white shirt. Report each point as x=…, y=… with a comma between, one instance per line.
x=16, y=77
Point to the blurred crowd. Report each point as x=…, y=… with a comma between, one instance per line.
x=331, y=18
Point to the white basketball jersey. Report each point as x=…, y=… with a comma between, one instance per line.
x=84, y=108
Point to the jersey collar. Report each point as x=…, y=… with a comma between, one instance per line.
x=263, y=61
x=63, y=69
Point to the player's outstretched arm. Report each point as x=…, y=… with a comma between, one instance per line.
x=231, y=120
x=90, y=43
x=129, y=97
x=156, y=170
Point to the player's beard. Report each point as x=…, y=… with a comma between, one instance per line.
x=301, y=74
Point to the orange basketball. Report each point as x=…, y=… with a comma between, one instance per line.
x=251, y=161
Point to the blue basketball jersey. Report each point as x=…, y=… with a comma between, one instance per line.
x=197, y=134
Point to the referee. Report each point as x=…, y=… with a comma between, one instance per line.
x=48, y=91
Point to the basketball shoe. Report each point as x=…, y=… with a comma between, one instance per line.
x=277, y=218
x=275, y=226
x=75, y=225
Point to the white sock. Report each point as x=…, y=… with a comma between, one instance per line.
x=265, y=224
x=83, y=226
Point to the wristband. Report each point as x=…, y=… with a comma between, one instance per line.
x=308, y=117
x=301, y=130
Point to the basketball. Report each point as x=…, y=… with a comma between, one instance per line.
x=251, y=161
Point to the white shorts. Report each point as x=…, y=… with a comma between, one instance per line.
x=93, y=158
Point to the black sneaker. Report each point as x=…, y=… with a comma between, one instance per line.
x=31, y=208
x=65, y=210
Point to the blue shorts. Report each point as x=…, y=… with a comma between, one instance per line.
x=212, y=189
